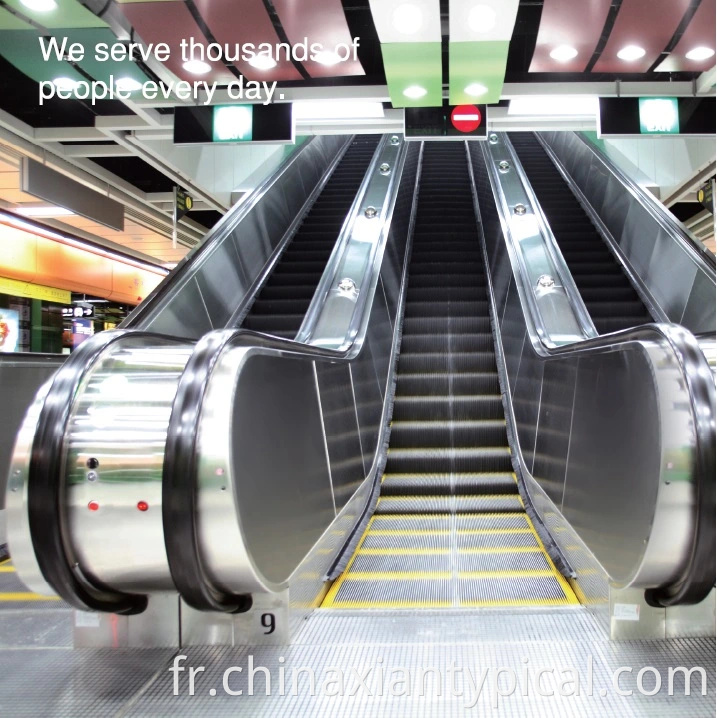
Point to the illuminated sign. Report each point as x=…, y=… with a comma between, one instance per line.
x=449, y=122
x=18, y=288
x=659, y=116
x=232, y=123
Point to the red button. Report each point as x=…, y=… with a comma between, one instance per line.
x=466, y=118
x=142, y=505
x=93, y=506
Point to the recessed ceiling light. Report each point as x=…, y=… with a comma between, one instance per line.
x=327, y=57
x=39, y=5
x=564, y=53
x=700, y=53
x=407, y=19
x=482, y=18
x=128, y=84
x=631, y=52
x=197, y=67
x=66, y=84
x=475, y=89
x=262, y=62
x=415, y=92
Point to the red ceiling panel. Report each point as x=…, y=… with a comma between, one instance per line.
x=318, y=21
x=171, y=22
x=252, y=24
x=650, y=24
x=574, y=24
x=699, y=33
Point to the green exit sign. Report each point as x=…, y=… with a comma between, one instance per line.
x=659, y=116
x=232, y=123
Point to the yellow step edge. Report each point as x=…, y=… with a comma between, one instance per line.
x=395, y=575
x=515, y=603
x=7, y=569
x=448, y=496
x=329, y=603
x=448, y=515
x=535, y=573
x=20, y=596
x=446, y=551
x=447, y=532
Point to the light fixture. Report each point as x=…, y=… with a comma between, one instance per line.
x=197, y=67
x=415, y=92
x=407, y=19
x=700, y=53
x=630, y=53
x=563, y=53
x=232, y=122
x=326, y=57
x=47, y=210
x=475, y=89
x=482, y=18
x=128, y=84
x=262, y=62
x=39, y=5
x=331, y=110
x=560, y=105
x=66, y=84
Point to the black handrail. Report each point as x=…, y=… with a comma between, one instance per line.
x=45, y=491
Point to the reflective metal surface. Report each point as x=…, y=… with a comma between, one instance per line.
x=209, y=288
x=674, y=268
x=558, y=311
x=617, y=431
x=350, y=277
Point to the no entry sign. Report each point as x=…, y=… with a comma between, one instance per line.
x=466, y=118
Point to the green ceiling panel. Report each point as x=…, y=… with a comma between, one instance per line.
x=67, y=14
x=413, y=63
x=480, y=63
x=22, y=49
x=8, y=21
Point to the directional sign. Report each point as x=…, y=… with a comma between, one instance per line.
x=466, y=118
x=449, y=122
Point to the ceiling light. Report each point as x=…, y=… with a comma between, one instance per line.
x=482, y=18
x=407, y=19
x=39, y=5
x=415, y=92
x=128, y=84
x=631, y=53
x=475, y=89
x=564, y=53
x=333, y=110
x=262, y=62
x=327, y=57
x=197, y=67
x=561, y=105
x=700, y=53
x=66, y=84
x=43, y=211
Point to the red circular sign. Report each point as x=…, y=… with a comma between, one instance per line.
x=466, y=118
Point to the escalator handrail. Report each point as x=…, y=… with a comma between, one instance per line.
x=214, y=236
x=657, y=210
x=45, y=500
x=698, y=575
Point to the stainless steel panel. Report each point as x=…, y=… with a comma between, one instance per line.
x=526, y=402
x=186, y=316
x=369, y=403
x=700, y=307
x=341, y=427
x=282, y=485
x=663, y=258
x=256, y=227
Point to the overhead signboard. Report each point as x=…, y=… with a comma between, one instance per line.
x=706, y=196
x=449, y=122
x=652, y=116
x=234, y=124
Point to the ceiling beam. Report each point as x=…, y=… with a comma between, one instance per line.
x=688, y=186
x=94, y=150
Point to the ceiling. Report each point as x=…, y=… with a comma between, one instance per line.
x=501, y=48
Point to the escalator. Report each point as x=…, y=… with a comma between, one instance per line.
x=610, y=298
x=449, y=529
x=283, y=301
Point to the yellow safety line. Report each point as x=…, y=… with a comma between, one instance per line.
x=448, y=515
x=518, y=602
x=446, y=551
x=389, y=604
x=528, y=573
x=7, y=569
x=392, y=575
x=19, y=596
